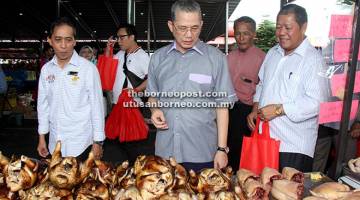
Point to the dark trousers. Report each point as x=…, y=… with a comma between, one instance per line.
x=197, y=167
x=298, y=161
x=237, y=129
x=84, y=155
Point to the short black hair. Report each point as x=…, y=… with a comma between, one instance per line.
x=298, y=11
x=62, y=21
x=248, y=20
x=129, y=28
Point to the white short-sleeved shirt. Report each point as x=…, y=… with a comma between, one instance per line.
x=137, y=62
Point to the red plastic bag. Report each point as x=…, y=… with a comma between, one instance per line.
x=126, y=123
x=259, y=150
x=107, y=67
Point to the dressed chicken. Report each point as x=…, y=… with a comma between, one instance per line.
x=287, y=190
x=20, y=174
x=124, y=178
x=293, y=174
x=93, y=189
x=243, y=175
x=45, y=190
x=210, y=180
x=154, y=176
x=354, y=165
x=67, y=172
x=331, y=190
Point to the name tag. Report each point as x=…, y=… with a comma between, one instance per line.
x=200, y=78
x=73, y=73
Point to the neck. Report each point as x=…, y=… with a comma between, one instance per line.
x=62, y=63
x=132, y=48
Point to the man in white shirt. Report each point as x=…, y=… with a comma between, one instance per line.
x=70, y=105
x=134, y=59
x=290, y=90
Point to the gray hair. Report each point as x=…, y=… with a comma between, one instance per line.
x=247, y=20
x=185, y=5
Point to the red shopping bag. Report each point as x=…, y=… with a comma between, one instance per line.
x=126, y=121
x=259, y=150
x=107, y=67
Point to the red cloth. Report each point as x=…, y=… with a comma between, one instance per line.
x=126, y=123
x=107, y=67
x=259, y=150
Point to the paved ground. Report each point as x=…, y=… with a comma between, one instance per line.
x=18, y=139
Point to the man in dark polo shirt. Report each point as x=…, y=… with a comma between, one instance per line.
x=244, y=65
x=196, y=136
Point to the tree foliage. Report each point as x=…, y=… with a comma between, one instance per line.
x=265, y=35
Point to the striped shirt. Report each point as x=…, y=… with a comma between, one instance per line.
x=293, y=81
x=70, y=105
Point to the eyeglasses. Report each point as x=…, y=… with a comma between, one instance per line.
x=120, y=37
x=185, y=29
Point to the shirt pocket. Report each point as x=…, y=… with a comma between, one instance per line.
x=291, y=84
x=201, y=82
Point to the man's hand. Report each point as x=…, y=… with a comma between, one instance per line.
x=158, y=119
x=220, y=160
x=98, y=151
x=41, y=148
x=268, y=113
x=355, y=130
x=251, y=119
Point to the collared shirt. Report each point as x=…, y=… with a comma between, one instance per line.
x=137, y=62
x=192, y=133
x=244, y=68
x=293, y=81
x=70, y=105
x=3, y=84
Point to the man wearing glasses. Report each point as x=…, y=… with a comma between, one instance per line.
x=195, y=136
x=137, y=60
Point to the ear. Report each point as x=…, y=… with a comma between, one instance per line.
x=171, y=26
x=49, y=41
x=303, y=28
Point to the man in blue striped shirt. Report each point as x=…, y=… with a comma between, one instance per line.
x=290, y=90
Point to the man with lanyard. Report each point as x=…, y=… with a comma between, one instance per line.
x=133, y=59
x=131, y=56
x=195, y=136
x=70, y=103
x=244, y=65
x=290, y=90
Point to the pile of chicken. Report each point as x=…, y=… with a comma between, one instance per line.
x=151, y=177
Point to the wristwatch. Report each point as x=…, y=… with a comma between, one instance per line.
x=278, y=110
x=99, y=142
x=223, y=149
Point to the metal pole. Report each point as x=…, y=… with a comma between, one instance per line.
x=335, y=172
x=130, y=11
x=148, y=26
x=58, y=8
x=226, y=27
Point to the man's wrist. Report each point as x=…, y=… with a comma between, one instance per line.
x=223, y=149
x=279, y=110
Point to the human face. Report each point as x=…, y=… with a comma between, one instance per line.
x=63, y=42
x=125, y=40
x=86, y=53
x=244, y=36
x=186, y=29
x=289, y=33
